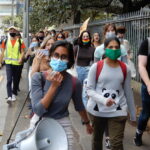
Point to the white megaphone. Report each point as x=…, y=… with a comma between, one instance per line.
x=48, y=135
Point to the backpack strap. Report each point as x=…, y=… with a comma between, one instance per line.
x=20, y=43
x=123, y=68
x=148, y=45
x=74, y=79
x=99, y=68
x=5, y=41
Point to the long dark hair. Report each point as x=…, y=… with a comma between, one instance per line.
x=80, y=39
x=68, y=46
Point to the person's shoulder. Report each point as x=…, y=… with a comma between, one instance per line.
x=93, y=67
x=145, y=41
x=100, y=47
x=123, y=50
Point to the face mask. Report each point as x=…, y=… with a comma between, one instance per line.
x=58, y=65
x=86, y=41
x=121, y=40
x=110, y=34
x=52, y=35
x=33, y=44
x=112, y=54
x=41, y=38
x=12, y=34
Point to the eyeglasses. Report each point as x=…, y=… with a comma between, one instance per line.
x=62, y=57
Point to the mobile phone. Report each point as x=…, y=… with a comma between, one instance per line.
x=44, y=51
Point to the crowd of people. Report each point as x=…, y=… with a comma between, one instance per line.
x=101, y=91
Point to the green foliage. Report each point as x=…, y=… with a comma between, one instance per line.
x=18, y=21
x=48, y=12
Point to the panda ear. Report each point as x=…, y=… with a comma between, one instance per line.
x=117, y=91
x=103, y=89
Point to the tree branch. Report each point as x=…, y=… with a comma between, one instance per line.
x=97, y=6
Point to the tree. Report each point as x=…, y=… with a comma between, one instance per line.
x=48, y=12
x=18, y=21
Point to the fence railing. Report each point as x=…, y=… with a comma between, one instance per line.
x=137, y=25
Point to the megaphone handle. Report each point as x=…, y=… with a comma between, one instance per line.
x=12, y=145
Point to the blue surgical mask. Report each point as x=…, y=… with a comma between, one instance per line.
x=110, y=34
x=33, y=44
x=58, y=65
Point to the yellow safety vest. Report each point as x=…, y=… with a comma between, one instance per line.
x=12, y=53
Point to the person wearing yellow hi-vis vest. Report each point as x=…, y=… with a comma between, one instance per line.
x=12, y=53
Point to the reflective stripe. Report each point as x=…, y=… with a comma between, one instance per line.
x=11, y=59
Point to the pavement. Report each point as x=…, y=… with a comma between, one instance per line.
x=12, y=121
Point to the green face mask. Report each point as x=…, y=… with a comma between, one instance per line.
x=112, y=54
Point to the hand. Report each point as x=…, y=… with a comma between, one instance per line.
x=29, y=52
x=55, y=77
x=20, y=61
x=39, y=56
x=110, y=102
x=133, y=123
x=89, y=129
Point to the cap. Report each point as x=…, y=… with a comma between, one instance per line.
x=13, y=27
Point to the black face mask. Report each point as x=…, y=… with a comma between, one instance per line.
x=41, y=38
x=12, y=34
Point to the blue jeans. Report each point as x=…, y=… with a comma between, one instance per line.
x=145, y=114
x=82, y=72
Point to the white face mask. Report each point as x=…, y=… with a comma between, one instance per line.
x=110, y=34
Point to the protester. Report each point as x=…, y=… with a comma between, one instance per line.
x=33, y=48
x=121, y=30
x=84, y=55
x=41, y=59
x=109, y=31
x=96, y=40
x=110, y=94
x=13, y=53
x=70, y=36
x=53, y=33
x=51, y=99
x=60, y=36
x=144, y=70
x=18, y=35
x=41, y=36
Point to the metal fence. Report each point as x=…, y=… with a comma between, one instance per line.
x=137, y=25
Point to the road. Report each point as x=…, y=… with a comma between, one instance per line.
x=9, y=116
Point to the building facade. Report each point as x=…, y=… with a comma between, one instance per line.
x=7, y=7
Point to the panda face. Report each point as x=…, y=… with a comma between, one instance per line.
x=106, y=95
x=110, y=93
x=113, y=96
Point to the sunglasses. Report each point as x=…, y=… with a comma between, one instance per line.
x=60, y=37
